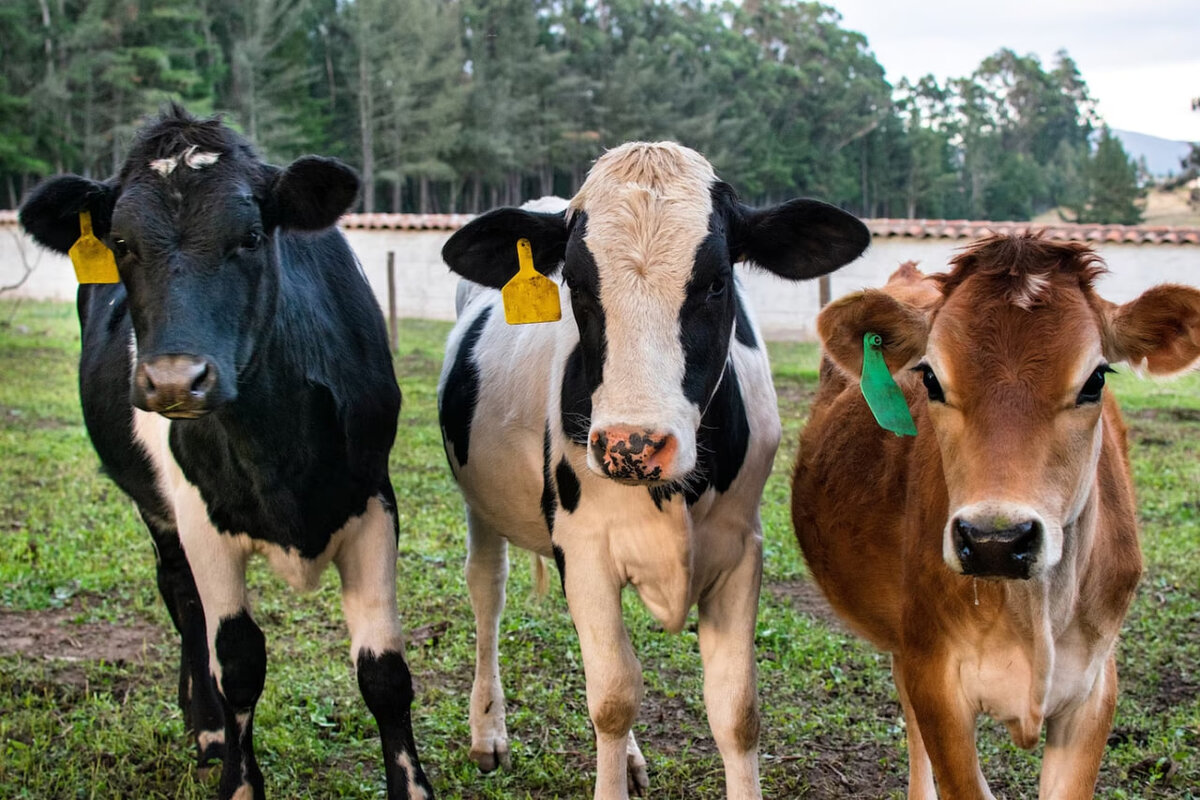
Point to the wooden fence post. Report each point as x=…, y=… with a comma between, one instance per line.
x=391, y=273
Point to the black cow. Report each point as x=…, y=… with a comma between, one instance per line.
x=243, y=319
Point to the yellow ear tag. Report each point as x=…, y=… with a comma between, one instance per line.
x=94, y=262
x=530, y=296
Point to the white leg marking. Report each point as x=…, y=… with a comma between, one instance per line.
x=206, y=738
x=487, y=574
x=221, y=582
x=612, y=670
x=415, y=792
x=366, y=562
x=727, y=615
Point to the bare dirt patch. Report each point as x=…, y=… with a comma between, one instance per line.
x=1171, y=414
x=55, y=635
x=794, y=396
x=805, y=597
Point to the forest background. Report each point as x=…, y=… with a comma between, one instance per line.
x=462, y=105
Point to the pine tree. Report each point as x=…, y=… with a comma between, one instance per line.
x=1112, y=185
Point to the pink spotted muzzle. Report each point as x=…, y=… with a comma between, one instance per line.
x=636, y=455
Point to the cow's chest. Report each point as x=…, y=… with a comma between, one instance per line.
x=280, y=480
x=1021, y=681
x=667, y=550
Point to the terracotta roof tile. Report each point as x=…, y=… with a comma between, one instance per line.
x=1061, y=231
x=880, y=228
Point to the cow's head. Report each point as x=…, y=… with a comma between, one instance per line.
x=1012, y=347
x=647, y=248
x=192, y=219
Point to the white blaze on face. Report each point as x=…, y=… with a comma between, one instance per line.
x=192, y=158
x=648, y=208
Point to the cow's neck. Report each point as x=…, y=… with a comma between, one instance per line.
x=1045, y=609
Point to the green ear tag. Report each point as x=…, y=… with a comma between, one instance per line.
x=883, y=396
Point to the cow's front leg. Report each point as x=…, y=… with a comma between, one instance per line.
x=1075, y=741
x=487, y=575
x=947, y=725
x=198, y=699
x=920, y=771
x=727, y=615
x=237, y=648
x=366, y=562
x=614, y=676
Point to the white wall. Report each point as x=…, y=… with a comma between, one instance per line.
x=425, y=287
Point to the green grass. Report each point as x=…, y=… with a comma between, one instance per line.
x=73, y=550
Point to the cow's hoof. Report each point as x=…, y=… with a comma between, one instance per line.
x=489, y=758
x=639, y=778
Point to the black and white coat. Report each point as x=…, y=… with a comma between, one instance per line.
x=237, y=384
x=631, y=444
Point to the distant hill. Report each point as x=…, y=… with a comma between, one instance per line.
x=1161, y=207
x=1162, y=155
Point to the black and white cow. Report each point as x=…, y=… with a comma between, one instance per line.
x=237, y=385
x=632, y=445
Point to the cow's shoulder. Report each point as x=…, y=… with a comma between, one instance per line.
x=105, y=365
x=458, y=393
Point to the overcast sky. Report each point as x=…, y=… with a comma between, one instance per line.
x=1141, y=60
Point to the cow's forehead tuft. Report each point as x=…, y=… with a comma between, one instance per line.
x=664, y=169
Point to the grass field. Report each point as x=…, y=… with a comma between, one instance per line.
x=87, y=654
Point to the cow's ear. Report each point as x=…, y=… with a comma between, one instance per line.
x=51, y=211
x=1160, y=330
x=309, y=194
x=798, y=239
x=903, y=328
x=485, y=249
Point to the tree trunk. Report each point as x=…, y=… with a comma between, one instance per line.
x=89, y=157
x=866, y=199
x=329, y=74
x=365, y=115
x=118, y=114
x=47, y=42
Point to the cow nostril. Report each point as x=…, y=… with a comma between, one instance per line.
x=1001, y=548
x=1026, y=536
x=201, y=382
x=599, y=445
x=964, y=534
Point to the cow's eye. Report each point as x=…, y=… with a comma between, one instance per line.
x=716, y=288
x=1093, y=387
x=932, y=387
x=252, y=240
x=120, y=248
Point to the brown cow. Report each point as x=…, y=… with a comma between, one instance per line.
x=995, y=554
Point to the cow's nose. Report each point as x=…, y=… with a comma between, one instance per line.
x=1004, y=550
x=634, y=454
x=177, y=386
